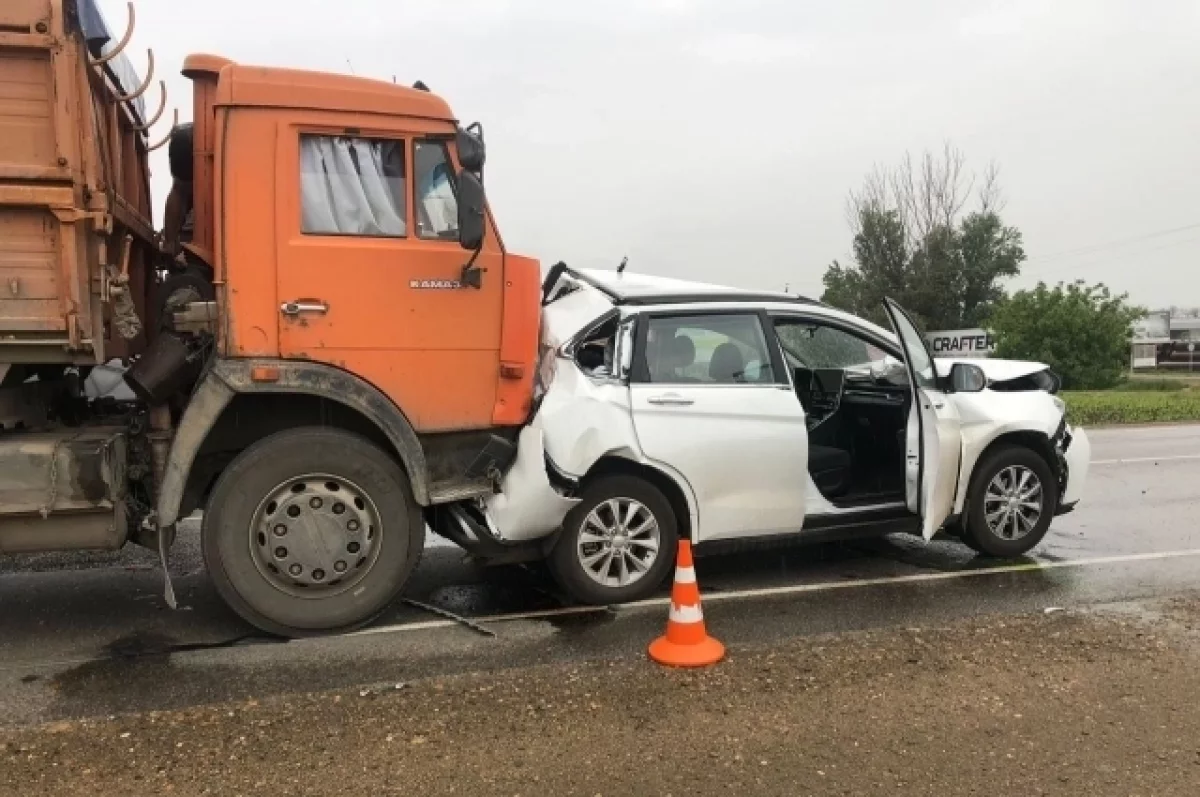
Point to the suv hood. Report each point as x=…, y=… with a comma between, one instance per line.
x=994, y=370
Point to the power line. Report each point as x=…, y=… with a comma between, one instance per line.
x=1125, y=255
x=1093, y=248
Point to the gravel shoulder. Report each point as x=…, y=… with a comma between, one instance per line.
x=1098, y=703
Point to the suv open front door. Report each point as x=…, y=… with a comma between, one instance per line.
x=939, y=428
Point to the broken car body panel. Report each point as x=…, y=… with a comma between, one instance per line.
x=995, y=370
x=527, y=507
x=580, y=419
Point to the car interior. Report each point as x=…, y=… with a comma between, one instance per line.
x=595, y=351
x=857, y=412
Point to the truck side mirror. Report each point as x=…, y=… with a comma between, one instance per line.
x=471, y=150
x=471, y=211
x=965, y=378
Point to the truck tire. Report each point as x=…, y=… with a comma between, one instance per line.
x=311, y=530
x=1012, y=499
x=621, y=524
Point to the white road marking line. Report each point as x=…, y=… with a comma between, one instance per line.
x=1130, y=460
x=790, y=589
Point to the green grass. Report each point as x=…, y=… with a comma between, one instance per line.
x=1153, y=384
x=1108, y=407
x=1171, y=375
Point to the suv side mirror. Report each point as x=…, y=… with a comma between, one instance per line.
x=966, y=378
x=471, y=211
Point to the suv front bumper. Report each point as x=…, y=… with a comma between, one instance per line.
x=1076, y=456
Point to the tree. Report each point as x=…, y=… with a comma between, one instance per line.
x=1081, y=331
x=914, y=243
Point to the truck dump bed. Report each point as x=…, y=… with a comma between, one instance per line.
x=74, y=184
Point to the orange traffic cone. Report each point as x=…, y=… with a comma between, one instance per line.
x=686, y=643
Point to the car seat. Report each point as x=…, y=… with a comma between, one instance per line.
x=727, y=364
x=830, y=469
x=681, y=354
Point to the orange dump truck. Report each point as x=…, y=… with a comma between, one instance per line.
x=342, y=344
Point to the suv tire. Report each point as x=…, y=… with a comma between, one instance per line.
x=1011, y=502
x=618, y=544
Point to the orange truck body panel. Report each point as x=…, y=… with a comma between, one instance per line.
x=74, y=183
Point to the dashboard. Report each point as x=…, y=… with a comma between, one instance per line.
x=823, y=391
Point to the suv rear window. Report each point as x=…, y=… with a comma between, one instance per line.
x=718, y=349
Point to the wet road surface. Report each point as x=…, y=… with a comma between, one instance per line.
x=89, y=635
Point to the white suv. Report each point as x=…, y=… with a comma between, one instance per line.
x=670, y=408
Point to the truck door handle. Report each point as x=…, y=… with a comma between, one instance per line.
x=296, y=308
x=671, y=400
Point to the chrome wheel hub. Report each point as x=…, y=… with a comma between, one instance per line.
x=619, y=542
x=315, y=535
x=1012, y=504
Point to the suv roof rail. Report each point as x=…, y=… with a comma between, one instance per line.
x=681, y=296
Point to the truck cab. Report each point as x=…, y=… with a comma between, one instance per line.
x=329, y=205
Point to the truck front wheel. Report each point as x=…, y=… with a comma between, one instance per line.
x=310, y=531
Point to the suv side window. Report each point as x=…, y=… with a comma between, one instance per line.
x=813, y=345
x=352, y=186
x=437, y=202
x=716, y=349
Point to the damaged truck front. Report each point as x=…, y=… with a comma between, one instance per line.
x=311, y=413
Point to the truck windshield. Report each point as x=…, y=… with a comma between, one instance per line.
x=437, y=203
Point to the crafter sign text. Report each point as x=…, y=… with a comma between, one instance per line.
x=962, y=343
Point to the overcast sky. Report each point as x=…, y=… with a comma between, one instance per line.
x=714, y=140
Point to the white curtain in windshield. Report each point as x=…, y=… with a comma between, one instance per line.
x=351, y=186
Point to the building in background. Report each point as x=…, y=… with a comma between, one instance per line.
x=1163, y=339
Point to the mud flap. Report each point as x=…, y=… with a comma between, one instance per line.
x=163, y=547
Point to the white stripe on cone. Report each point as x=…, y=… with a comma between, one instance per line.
x=686, y=614
x=685, y=575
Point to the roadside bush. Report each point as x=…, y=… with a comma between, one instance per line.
x=1081, y=331
x=1109, y=407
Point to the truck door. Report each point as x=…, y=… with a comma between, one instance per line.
x=368, y=272
x=712, y=402
x=939, y=429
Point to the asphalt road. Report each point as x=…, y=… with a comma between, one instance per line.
x=89, y=635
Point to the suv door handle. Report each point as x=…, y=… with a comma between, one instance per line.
x=671, y=400
x=296, y=308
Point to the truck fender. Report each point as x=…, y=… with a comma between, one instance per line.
x=228, y=378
